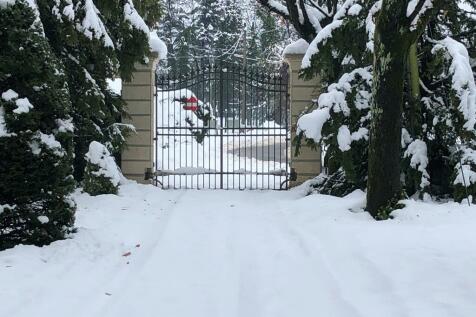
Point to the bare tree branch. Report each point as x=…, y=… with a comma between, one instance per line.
x=316, y=6
x=417, y=10
x=271, y=6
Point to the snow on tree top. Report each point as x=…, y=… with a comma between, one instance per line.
x=92, y=25
x=298, y=47
x=132, y=16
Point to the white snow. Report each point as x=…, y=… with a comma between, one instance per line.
x=68, y=11
x=23, y=106
x=133, y=17
x=65, y=125
x=370, y=24
x=361, y=133
x=463, y=82
x=115, y=85
x=48, y=140
x=311, y=123
x=418, y=153
x=344, y=138
x=465, y=175
x=6, y=206
x=43, y=219
x=279, y=6
x=92, y=25
x=9, y=95
x=355, y=9
x=3, y=125
x=427, y=5
x=157, y=45
x=298, y=47
x=149, y=252
x=321, y=37
x=335, y=99
x=99, y=155
x=5, y=3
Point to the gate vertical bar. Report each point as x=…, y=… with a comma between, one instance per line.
x=220, y=69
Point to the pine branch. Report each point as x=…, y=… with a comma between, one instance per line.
x=269, y=5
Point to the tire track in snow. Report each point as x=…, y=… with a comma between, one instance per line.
x=365, y=272
x=120, y=281
x=321, y=277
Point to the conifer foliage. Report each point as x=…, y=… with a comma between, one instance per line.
x=55, y=59
x=438, y=135
x=101, y=175
x=36, y=133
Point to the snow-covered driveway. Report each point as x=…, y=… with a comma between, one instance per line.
x=246, y=254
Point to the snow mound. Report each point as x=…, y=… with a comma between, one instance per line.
x=157, y=45
x=99, y=155
x=298, y=47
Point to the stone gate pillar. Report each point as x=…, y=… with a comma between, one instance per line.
x=139, y=94
x=301, y=93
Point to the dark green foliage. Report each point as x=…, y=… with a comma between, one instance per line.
x=89, y=61
x=95, y=183
x=36, y=148
x=101, y=175
x=434, y=118
x=335, y=184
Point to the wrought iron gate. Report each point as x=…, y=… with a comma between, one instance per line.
x=222, y=126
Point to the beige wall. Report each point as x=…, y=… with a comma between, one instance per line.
x=308, y=164
x=139, y=97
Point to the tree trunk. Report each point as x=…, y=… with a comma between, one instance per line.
x=414, y=87
x=390, y=57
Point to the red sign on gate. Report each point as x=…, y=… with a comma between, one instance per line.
x=191, y=104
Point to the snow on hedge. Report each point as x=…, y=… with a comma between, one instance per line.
x=65, y=125
x=133, y=17
x=462, y=78
x=92, y=25
x=370, y=24
x=418, y=153
x=321, y=37
x=465, y=175
x=100, y=156
x=311, y=124
x=47, y=140
x=23, y=106
x=335, y=99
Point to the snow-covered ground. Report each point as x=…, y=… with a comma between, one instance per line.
x=149, y=252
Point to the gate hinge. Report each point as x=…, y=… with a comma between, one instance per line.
x=148, y=174
x=293, y=175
